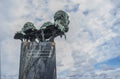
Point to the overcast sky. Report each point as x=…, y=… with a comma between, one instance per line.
x=92, y=48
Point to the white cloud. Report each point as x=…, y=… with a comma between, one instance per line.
x=87, y=32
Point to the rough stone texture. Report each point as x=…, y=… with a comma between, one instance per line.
x=37, y=60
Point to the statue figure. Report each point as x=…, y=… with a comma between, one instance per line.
x=48, y=31
x=27, y=32
x=38, y=59
x=61, y=19
x=29, y=26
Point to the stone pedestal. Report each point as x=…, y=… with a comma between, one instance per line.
x=37, y=60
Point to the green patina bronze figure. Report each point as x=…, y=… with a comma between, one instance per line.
x=38, y=58
x=61, y=19
x=28, y=26
x=27, y=32
x=48, y=31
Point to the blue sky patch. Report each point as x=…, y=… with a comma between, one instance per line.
x=110, y=63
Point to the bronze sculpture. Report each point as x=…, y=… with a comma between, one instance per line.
x=42, y=66
x=48, y=31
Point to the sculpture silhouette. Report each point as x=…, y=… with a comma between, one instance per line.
x=38, y=59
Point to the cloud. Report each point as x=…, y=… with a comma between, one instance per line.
x=93, y=36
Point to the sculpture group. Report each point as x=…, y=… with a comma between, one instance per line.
x=48, y=31
x=38, y=59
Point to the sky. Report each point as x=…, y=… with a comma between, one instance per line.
x=92, y=47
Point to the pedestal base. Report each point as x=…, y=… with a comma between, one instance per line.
x=37, y=60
